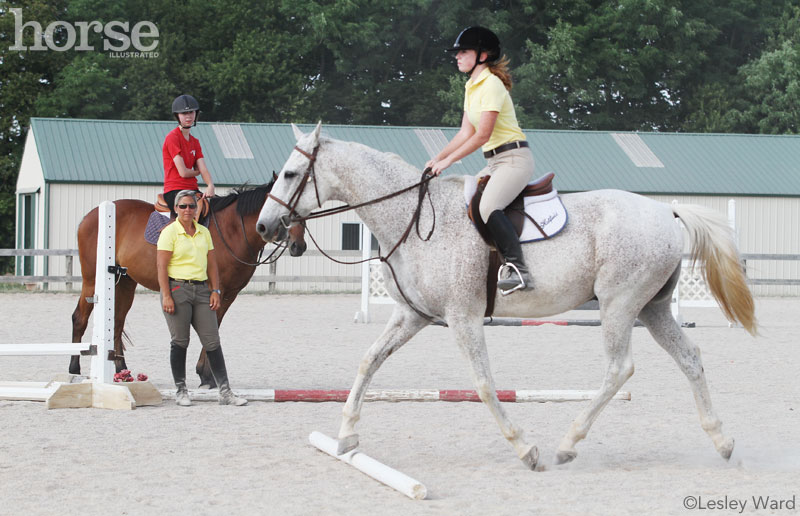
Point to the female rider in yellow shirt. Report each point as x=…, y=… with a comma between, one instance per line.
x=490, y=122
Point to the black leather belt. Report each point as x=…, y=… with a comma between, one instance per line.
x=192, y=281
x=502, y=148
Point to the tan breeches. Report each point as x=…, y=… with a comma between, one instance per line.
x=511, y=171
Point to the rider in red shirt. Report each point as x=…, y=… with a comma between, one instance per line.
x=183, y=156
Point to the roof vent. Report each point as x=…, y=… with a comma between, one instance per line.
x=637, y=150
x=232, y=141
x=433, y=140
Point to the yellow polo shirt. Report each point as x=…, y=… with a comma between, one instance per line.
x=488, y=93
x=189, y=253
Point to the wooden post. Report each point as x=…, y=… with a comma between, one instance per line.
x=273, y=271
x=69, y=272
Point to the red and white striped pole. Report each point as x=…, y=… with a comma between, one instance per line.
x=452, y=395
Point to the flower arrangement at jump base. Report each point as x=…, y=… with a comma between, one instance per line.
x=126, y=376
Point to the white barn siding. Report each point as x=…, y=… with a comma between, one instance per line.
x=764, y=225
x=31, y=182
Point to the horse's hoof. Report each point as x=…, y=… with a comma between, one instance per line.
x=562, y=457
x=204, y=387
x=347, y=444
x=726, y=449
x=531, y=458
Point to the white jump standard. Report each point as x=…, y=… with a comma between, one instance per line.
x=99, y=390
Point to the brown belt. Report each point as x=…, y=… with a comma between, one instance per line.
x=502, y=148
x=192, y=281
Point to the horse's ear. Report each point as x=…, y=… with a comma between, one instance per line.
x=274, y=176
x=316, y=132
x=297, y=132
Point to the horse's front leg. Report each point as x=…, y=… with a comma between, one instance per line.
x=470, y=338
x=403, y=324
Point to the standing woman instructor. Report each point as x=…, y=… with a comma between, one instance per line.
x=188, y=279
x=490, y=122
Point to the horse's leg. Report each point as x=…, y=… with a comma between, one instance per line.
x=124, y=291
x=658, y=319
x=470, y=338
x=616, y=330
x=403, y=324
x=80, y=320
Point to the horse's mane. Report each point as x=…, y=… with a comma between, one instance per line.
x=250, y=199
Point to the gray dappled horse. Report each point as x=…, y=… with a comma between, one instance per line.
x=621, y=248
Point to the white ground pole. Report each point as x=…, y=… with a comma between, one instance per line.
x=371, y=467
x=99, y=390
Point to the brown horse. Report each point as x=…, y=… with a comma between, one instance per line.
x=231, y=222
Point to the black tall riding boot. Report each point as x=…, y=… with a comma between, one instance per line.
x=177, y=361
x=217, y=362
x=507, y=243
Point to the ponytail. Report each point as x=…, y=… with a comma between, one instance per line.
x=500, y=69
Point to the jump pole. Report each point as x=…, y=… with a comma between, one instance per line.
x=371, y=467
x=395, y=395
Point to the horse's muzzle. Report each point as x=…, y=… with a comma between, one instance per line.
x=270, y=233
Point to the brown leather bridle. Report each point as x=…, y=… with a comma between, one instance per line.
x=294, y=200
x=293, y=217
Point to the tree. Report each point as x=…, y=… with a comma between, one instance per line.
x=24, y=76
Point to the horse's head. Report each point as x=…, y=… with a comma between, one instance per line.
x=295, y=192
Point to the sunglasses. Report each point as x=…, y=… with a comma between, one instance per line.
x=187, y=206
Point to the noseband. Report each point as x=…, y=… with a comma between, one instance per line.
x=294, y=200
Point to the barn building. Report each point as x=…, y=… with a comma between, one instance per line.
x=69, y=166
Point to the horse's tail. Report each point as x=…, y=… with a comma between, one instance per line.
x=712, y=242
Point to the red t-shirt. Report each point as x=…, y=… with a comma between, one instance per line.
x=189, y=150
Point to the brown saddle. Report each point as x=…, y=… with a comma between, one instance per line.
x=199, y=213
x=514, y=211
x=516, y=214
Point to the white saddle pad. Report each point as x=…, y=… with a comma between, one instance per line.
x=547, y=210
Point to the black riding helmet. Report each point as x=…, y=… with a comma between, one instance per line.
x=185, y=104
x=479, y=39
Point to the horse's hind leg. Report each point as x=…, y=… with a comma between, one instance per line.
x=403, y=325
x=616, y=329
x=658, y=319
x=470, y=337
x=80, y=320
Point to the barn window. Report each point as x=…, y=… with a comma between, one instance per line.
x=351, y=237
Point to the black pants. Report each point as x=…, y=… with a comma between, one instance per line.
x=169, y=198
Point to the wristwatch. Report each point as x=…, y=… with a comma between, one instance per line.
x=218, y=291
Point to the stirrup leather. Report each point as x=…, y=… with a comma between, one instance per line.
x=514, y=270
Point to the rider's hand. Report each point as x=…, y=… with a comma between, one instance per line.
x=438, y=166
x=209, y=191
x=215, y=301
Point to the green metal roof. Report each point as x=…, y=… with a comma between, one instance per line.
x=111, y=151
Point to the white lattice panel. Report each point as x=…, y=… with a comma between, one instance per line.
x=377, y=286
x=693, y=289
